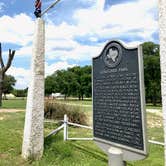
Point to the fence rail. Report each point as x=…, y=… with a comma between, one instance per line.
x=66, y=124
x=55, y=131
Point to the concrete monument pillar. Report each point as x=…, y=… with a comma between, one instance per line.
x=162, y=34
x=33, y=139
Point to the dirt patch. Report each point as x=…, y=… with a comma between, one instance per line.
x=1, y=118
x=152, y=123
x=3, y=156
x=11, y=110
x=155, y=111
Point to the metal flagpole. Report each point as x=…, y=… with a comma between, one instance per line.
x=51, y=6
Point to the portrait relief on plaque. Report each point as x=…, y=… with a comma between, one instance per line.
x=112, y=55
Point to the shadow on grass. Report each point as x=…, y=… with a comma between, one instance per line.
x=51, y=140
x=69, y=146
x=90, y=151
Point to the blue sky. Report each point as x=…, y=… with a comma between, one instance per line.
x=75, y=31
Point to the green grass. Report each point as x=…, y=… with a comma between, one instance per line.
x=76, y=101
x=14, y=104
x=21, y=103
x=69, y=153
x=57, y=152
x=151, y=106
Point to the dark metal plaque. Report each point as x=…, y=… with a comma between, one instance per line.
x=118, y=100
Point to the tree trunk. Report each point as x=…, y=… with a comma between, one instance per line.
x=4, y=68
x=154, y=99
x=65, y=97
x=1, y=85
x=0, y=94
x=162, y=34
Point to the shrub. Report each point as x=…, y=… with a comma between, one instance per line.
x=55, y=110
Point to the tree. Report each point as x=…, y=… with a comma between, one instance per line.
x=87, y=81
x=4, y=68
x=63, y=81
x=75, y=81
x=82, y=81
x=8, y=83
x=152, y=78
x=150, y=49
x=152, y=72
x=20, y=92
x=50, y=85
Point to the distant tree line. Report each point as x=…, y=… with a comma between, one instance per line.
x=76, y=81
x=20, y=92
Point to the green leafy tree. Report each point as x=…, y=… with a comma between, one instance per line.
x=86, y=81
x=62, y=82
x=152, y=72
x=150, y=49
x=82, y=81
x=20, y=92
x=8, y=83
x=50, y=84
x=75, y=81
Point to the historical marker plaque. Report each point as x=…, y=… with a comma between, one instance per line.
x=118, y=98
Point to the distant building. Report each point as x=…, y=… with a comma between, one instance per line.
x=57, y=95
x=8, y=96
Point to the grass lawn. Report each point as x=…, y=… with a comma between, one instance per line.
x=21, y=103
x=76, y=101
x=57, y=152
x=150, y=106
x=14, y=104
x=70, y=153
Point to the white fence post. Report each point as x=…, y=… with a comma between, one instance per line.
x=65, y=134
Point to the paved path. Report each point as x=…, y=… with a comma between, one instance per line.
x=12, y=110
x=156, y=111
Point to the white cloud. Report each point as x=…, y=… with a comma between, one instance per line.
x=134, y=20
x=16, y=30
x=129, y=19
x=79, y=53
x=118, y=20
x=50, y=69
x=21, y=75
x=24, y=51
